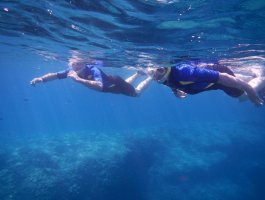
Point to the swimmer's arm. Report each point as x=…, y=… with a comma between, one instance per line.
x=231, y=81
x=95, y=85
x=44, y=78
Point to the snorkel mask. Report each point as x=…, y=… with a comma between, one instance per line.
x=158, y=74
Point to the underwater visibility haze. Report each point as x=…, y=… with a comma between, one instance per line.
x=61, y=140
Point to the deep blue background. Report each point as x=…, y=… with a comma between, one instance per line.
x=61, y=140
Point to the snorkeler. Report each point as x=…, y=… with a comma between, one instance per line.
x=192, y=78
x=89, y=75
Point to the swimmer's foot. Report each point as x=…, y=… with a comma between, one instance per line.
x=141, y=71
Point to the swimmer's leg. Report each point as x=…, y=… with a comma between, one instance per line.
x=141, y=86
x=132, y=78
x=245, y=78
x=258, y=84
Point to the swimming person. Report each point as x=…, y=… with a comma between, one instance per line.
x=89, y=75
x=192, y=78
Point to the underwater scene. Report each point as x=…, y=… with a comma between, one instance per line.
x=123, y=131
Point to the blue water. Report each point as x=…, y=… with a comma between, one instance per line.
x=60, y=140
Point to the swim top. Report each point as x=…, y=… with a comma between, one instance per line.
x=90, y=72
x=112, y=84
x=191, y=79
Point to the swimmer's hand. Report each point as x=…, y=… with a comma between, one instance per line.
x=73, y=75
x=34, y=81
x=178, y=93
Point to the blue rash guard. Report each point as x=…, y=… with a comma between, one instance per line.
x=192, y=79
x=90, y=72
x=112, y=84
